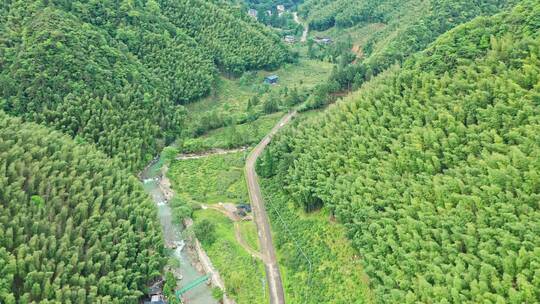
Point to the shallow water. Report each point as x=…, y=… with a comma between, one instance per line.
x=172, y=233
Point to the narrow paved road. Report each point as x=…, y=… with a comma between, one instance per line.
x=273, y=276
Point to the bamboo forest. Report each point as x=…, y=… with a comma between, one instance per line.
x=269, y=151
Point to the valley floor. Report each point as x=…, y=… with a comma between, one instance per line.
x=209, y=176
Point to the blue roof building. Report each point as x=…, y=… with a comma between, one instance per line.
x=272, y=79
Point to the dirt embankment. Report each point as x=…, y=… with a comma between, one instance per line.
x=204, y=263
x=209, y=153
x=357, y=49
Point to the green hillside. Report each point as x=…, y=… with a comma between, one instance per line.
x=114, y=73
x=324, y=14
x=433, y=167
x=386, y=33
x=74, y=226
x=237, y=44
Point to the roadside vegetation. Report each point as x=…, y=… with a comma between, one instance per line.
x=318, y=262
x=233, y=136
x=243, y=274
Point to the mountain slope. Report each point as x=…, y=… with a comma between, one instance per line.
x=324, y=14
x=66, y=74
x=74, y=226
x=236, y=44
x=433, y=167
x=114, y=73
x=393, y=31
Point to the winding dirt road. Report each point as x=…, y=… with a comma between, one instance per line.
x=237, y=232
x=273, y=276
x=208, y=153
x=306, y=27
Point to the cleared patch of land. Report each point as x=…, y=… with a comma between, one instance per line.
x=243, y=274
x=302, y=239
x=209, y=180
x=233, y=136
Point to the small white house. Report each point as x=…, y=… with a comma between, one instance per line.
x=323, y=40
x=289, y=39
x=253, y=13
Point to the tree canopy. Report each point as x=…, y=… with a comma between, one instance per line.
x=113, y=73
x=74, y=226
x=403, y=28
x=433, y=167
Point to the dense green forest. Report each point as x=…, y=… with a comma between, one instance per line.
x=113, y=77
x=271, y=4
x=324, y=14
x=405, y=27
x=113, y=72
x=74, y=226
x=236, y=42
x=433, y=167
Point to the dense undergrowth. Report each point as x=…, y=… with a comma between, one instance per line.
x=319, y=265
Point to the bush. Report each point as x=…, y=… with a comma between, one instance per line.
x=205, y=231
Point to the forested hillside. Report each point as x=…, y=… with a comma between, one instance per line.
x=324, y=14
x=433, y=167
x=113, y=72
x=403, y=28
x=74, y=226
x=237, y=44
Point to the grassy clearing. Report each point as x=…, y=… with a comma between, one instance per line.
x=209, y=180
x=242, y=274
x=233, y=136
x=228, y=103
x=336, y=276
x=358, y=34
x=306, y=73
x=231, y=95
x=249, y=232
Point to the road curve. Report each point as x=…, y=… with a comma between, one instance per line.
x=273, y=276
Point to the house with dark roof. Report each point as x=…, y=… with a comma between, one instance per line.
x=156, y=299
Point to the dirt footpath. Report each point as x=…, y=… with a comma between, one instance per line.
x=227, y=211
